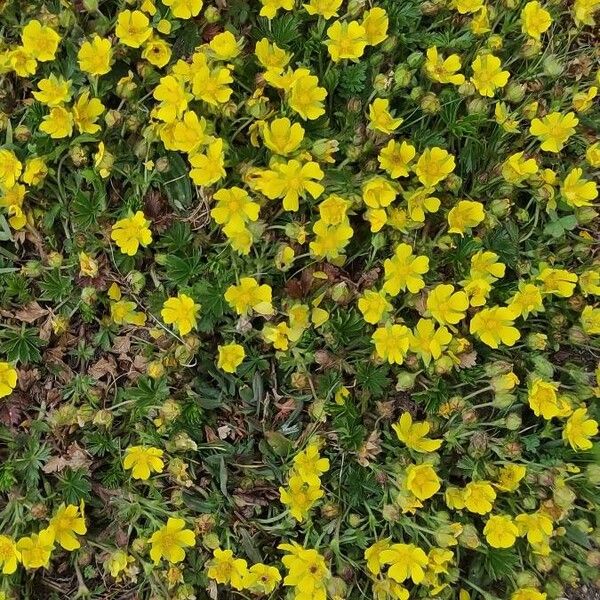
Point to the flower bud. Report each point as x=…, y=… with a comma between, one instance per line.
x=406, y=381
x=552, y=66
x=515, y=92
x=402, y=76
x=430, y=103
x=500, y=207
x=212, y=14
x=478, y=106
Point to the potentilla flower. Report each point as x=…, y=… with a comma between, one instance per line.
x=377, y=192
x=212, y=85
x=494, y=326
x=53, y=91
x=330, y=240
x=309, y=465
x=143, y=460
x=8, y=379
x=94, y=56
x=10, y=168
x=428, y=342
x=584, y=10
x=305, y=96
x=414, y=434
x=384, y=589
x=478, y=497
x=536, y=526
x=373, y=555
x=131, y=232
x=558, y=282
x=9, y=555
x=391, y=343
x=380, y=118
x=443, y=70
x=234, y=204
x=133, y=28
x=187, y=135
x=395, y=158
x=170, y=540
x=447, y=306
x=323, y=8
x=509, y=477
x=225, y=568
x=86, y=111
x=527, y=593
x=22, y=62
x=40, y=41
x=466, y=214
x=300, y=497
x=590, y=320
x=500, y=531
x=375, y=22
x=467, y=6
x=583, y=101
x=230, y=357
x=406, y=561
x=225, y=46
x=516, y=168
x=68, y=521
x=579, y=429
x=184, y=9
x=403, y=271
x=589, y=282
x=181, y=312
x=36, y=549
x=278, y=335
x=554, y=130
x=422, y=481
x=307, y=571
x=282, y=137
x=535, y=20
x=578, y=191
x=420, y=201
x=373, y=306
x=249, y=296
x=434, y=165
x=271, y=7
x=346, y=40
x=208, y=168
x=58, y=124
x=262, y=578
x=270, y=56
x=157, y=52
x=488, y=75
x=504, y=119
x=543, y=398
x=173, y=98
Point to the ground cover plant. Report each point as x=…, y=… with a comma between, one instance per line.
x=299, y=300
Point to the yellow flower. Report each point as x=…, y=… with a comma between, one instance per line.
x=500, y=531
x=377, y=192
x=271, y=7
x=131, y=232
x=35, y=171
x=447, y=306
x=592, y=155
x=543, y=399
x=509, y=477
x=375, y=22
x=181, y=312
x=53, y=91
x=307, y=571
x=584, y=10
x=528, y=593
x=380, y=118
x=173, y=98
x=309, y=465
x=464, y=215
x=184, y=9
x=103, y=161
x=536, y=526
x=278, y=335
x=324, y=8
x=422, y=481
x=516, y=168
x=133, y=28
x=248, y=295
x=443, y=70
x=10, y=168
x=503, y=118
x=22, y=62
x=535, y=20
x=306, y=97
x=373, y=556
x=494, y=326
x=124, y=313
x=225, y=46
x=406, y=561
x=414, y=435
x=330, y=240
x=291, y=181
x=117, y=562
x=262, y=578
x=188, y=134
x=86, y=113
x=212, y=85
x=68, y=521
x=554, y=130
x=346, y=40
x=391, y=343
x=143, y=460
x=488, y=74
x=467, y=6
x=8, y=379
x=9, y=555
x=58, y=124
x=94, y=56
x=590, y=320
x=271, y=56
x=428, y=342
x=373, y=306
x=589, y=282
x=395, y=158
x=300, y=497
x=170, y=540
x=420, y=201
x=403, y=271
x=579, y=428
x=40, y=41
x=454, y=498
x=282, y=137
x=230, y=357
x=234, y=205
x=479, y=497
x=558, y=282
x=157, y=52
x=36, y=549
x=434, y=165
x=208, y=168
x=578, y=191
x=224, y=568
